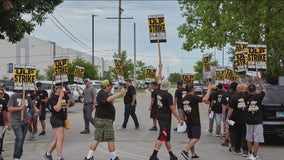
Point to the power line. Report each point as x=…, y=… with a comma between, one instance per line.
x=71, y=34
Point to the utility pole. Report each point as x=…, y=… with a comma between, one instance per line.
x=120, y=10
x=134, y=58
x=93, y=39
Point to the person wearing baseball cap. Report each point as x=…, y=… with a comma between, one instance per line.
x=90, y=95
x=104, y=118
x=165, y=109
x=254, y=120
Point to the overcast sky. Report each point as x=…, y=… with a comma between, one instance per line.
x=76, y=16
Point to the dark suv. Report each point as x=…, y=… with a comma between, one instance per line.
x=273, y=111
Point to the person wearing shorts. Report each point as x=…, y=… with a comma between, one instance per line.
x=58, y=101
x=153, y=105
x=180, y=93
x=191, y=108
x=104, y=118
x=254, y=120
x=165, y=109
x=42, y=97
x=33, y=119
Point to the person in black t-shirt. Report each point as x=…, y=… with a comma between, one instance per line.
x=216, y=106
x=254, y=120
x=229, y=91
x=3, y=119
x=191, y=108
x=180, y=93
x=153, y=105
x=130, y=105
x=165, y=109
x=42, y=96
x=236, y=119
x=58, y=102
x=104, y=118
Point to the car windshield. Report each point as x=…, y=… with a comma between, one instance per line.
x=274, y=95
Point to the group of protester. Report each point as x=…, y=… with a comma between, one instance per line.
x=237, y=105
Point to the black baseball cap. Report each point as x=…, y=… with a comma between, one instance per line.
x=251, y=87
x=38, y=84
x=233, y=86
x=179, y=83
x=189, y=87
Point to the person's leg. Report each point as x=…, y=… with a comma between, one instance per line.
x=243, y=139
x=42, y=118
x=259, y=137
x=190, y=145
x=86, y=122
x=18, y=140
x=111, y=149
x=126, y=115
x=134, y=117
x=211, y=121
x=155, y=122
x=89, y=117
x=35, y=124
x=59, y=133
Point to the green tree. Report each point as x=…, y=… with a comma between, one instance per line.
x=13, y=25
x=128, y=67
x=174, y=77
x=39, y=76
x=198, y=68
x=91, y=71
x=217, y=23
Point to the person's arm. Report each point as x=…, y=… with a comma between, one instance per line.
x=175, y=101
x=205, y=99
x=80, y=94
x=263, y=88
x=175, y=113
x=133, y=99
x=58, y=106
x=113, y=97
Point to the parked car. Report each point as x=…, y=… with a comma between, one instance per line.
x=76, y=95
x=273, y=111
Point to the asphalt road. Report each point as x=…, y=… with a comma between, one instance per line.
x=133, y=144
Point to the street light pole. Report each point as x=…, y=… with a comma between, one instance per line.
x=134, y=58
x=93, y=39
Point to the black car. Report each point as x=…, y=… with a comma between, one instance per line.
x=273, y=111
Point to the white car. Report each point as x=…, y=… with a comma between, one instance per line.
x=76, y=95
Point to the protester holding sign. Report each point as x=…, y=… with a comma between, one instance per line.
x=3, y=119
x=58, y=101
x=16, y=105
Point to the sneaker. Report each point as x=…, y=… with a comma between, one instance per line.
x=122, y=129
x=85, y=132
x=224, y=135
x=251, y=157
x=175, y=129
x=116, y=158
x=219, y=136
x=236, y=151
x=34, y=137
x=153, y=158
x=92, y=158
x=173, y=157
x=42, y=133
x=31, y=136
x=47, y=157
x=137, y=128
x=153, y=129
x=195, y=157
x=245, y=154
x=185, y=155
x=225, y=143
x=61, y=158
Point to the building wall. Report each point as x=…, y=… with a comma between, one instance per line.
x=39, y=53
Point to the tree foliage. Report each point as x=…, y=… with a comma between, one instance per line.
x=128, y=67
x=217, y=23
x=174, y=77
x=91, y=71
x=18, y=17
